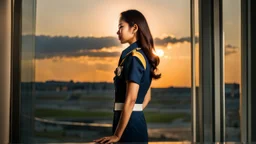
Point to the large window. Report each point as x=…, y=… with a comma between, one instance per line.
x=70, y=50
x=76, y=53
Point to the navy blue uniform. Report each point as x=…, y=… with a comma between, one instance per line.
x=134, y=66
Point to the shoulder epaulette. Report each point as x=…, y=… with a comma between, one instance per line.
x=139, y=56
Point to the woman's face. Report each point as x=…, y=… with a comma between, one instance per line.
x=125, y=33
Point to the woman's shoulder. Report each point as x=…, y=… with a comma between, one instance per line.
x=137, y=55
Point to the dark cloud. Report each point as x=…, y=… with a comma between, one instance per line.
x=71, y=44
x=173, y=40
x=65, y=46
x=229, y=46
x=230, y=49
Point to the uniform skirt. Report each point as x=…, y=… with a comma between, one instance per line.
x=136, y=130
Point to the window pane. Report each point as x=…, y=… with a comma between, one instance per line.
x=27, y=70
x=232, y=65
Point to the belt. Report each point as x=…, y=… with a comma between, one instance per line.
x=120, y=106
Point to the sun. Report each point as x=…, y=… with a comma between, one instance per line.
x=159, y=52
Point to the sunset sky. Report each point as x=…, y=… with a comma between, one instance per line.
x=76, y=39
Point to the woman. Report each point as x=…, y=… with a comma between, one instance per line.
x=136, y=68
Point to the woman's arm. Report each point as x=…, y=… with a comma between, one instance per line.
x=131, y=96
x=147, y=98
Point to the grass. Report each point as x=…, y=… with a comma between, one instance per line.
x=50, y=98
x=96, y=98
x=83, y=98
x=69, y=113
x=170, y=102
x=163, y=117
x=151, y=117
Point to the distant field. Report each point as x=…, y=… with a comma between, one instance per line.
x=51, y=98
x=96, y=98
x=170, y=102
x=150, y=116
x=107, y=98
x=69, y=113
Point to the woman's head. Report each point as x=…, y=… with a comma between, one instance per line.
x=133, y=26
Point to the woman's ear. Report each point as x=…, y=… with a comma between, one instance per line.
x=135, y=28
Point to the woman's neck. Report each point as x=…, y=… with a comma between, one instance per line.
x=132, y=41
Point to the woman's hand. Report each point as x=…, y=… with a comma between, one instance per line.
x=108, y=140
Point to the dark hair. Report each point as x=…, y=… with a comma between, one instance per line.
x=144, y=37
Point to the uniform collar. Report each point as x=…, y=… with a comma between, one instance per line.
x=130, y=48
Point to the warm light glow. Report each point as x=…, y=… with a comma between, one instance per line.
x=159, y=52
